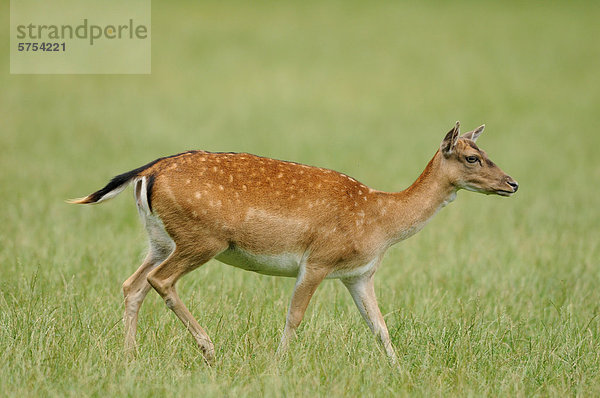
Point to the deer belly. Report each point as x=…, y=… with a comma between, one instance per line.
x=283, y=264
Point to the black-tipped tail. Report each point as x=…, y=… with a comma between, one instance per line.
x=120, y=182
x=114, y=187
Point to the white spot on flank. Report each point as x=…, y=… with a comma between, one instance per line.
x=198, y=195
x=221, y=187
x=215, y=169
x=244, y=187
x=187, y=182
x=279, y=175
x=230, y=178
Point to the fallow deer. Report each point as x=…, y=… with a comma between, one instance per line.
x=284, y=219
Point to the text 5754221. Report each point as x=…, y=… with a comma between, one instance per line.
x=46, y=47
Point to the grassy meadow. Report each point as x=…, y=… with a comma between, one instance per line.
x=496, y=296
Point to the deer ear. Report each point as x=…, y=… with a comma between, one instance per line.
x=473, y=135
x=447, y=146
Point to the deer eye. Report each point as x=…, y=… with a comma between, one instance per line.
x=472, y=159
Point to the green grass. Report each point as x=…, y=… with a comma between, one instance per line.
x=495, y=297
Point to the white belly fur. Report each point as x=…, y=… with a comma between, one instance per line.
x=354, y=272
x=268, y=264
x=282, y=264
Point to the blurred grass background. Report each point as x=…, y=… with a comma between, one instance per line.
x=495, y=297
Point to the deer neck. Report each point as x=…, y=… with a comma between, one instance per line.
x=409, y=211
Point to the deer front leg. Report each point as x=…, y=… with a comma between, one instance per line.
x=363, y=293
x=307, y=282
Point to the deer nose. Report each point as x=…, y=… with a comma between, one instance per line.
x=513, y=184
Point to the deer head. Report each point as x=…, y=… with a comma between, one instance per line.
x=468, y=166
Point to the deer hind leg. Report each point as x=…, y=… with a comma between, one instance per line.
x=307, y=282
x=136, y=287
x=363, y=293
x=163, y=279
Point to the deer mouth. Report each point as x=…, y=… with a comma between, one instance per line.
x=503, y=192
x=513, y=185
